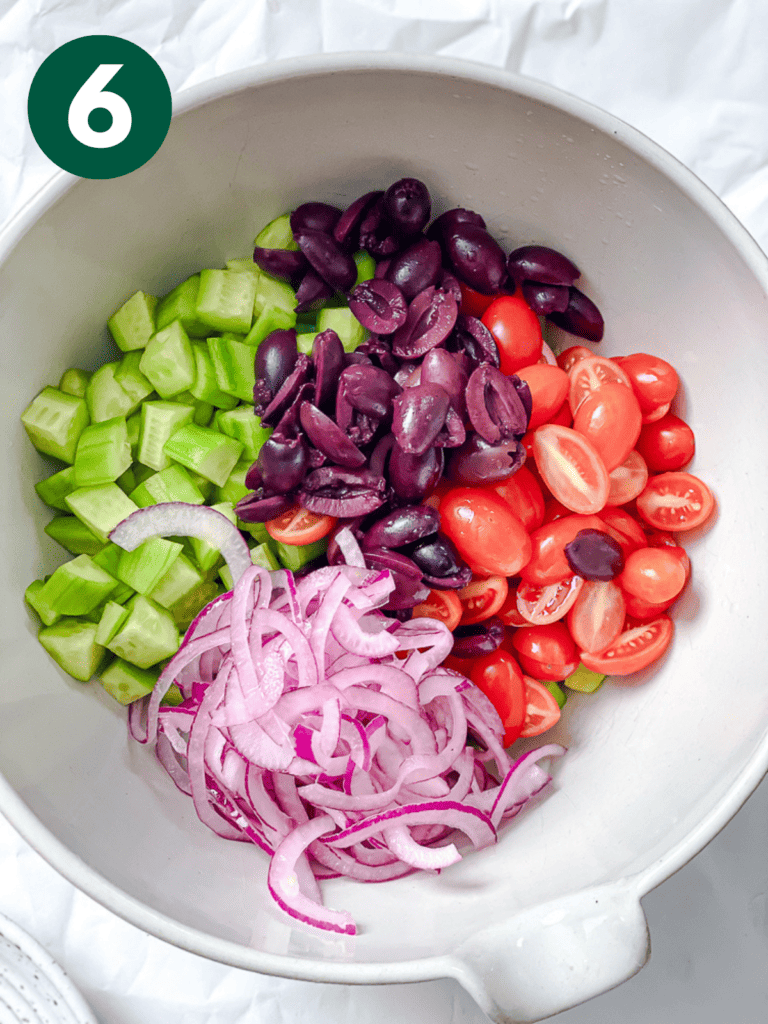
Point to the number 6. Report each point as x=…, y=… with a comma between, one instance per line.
x=90, y=96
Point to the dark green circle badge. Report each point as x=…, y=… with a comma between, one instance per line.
x=99, y=106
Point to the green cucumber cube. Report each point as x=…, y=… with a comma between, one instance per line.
x=277, y=234
x=45, y=610
x=263, y=555
x=130, y=378
x=168, y=362
x=101, y=508
x=74, y=382
x=226, y=299
x=171, y=484
x=149, y=634
x=185, y=610
x=173, y=696
x=206, y=387
x=558, y=693
x=106, y=397
x=103, y=452
x=584, y=680
x=271, y=318
x=244, y=425
x=73, y=535
x=77, y=587
x=54, y=422
x=244, y=265
x=176, y=585
x=204, y=451
x=143, y=568
x=234, y=487
x=112, y=618
x=159, y=420
x=54, y=489
x=71, y=642
x=126, y=682
x=233, y=364
x=181, y=304
x=296, y=556
x=134, y=323
x=366, y=266
x=342, y=320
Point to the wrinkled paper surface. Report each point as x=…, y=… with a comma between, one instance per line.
x=692, y=75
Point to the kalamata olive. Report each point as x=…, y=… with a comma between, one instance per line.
x=443, y=368
x=253, y=479
x=453, y=433
x=395, y=561
x=376, y=234
x=275, y=359
x=477, y=462
x=347, y=227
x=401, y=526
x=524, y=394
x=581, y=317
x=436, y=556
x=456, y=581
x=476, y=257
x=379, y=350
x=255, y=508
x=473, y=338
x=368, y=389
x=380, y=455
x=407, y=205
x=283, y=463
x=288, y=392
x=475, y=640
x=413, y=477
x=312, y=292
x=379, y=305
x=336, y=267
x=453, y=218
x=449, y=283
x=344, y=493
x=315, y=217
x=595, y=555
x=283, y=263
x=418, y=416
x=539, y=263
x=329, y=438
x=417, y=268
x=431, y=318
x=494, y=406
x=328, y=359
x=545, y=298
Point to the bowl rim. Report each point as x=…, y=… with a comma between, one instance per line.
x=109, y=895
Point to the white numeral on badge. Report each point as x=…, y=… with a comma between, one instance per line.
x=92, y=96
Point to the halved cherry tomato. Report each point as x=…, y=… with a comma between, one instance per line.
x=666, y=444
x=654, y=574
x=570, y=356
x=299, y=526
x=500, y=678
x=539, y=605
x=509, y=614
x=516, y=331
x=548, y=563
x=639, y=610
x=610, y=418
x=624, y=529
x=484, y=531
x=549, y=389
x=522, y=493
x=442, y=605
x=635, y=648
x=571, y=468
x=541, y=709
x=546, y=652
x=664, y=539
x=473, y=303
x=591, y=373
x=563, y=416
x=482, y=598
x=597, y=616
x=675, y=501
x=653, y=380
x=628, y=479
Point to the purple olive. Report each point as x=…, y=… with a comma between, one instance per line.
x=524, y=394
x=284, y=263
x=315, y=217
x=478, y=639
x=367, y=389
x=472, y=337
x=581, y=317
x=477, y=462
x=344, y=493
x=312, y=292
x=379, y=350
x=476, y=257
x=449, y=283
x=328, y=359
x=451, y=219
x=380, y=454
x=401, y=526
x=431, y=318
x=595, y=555
x=274, y=362
x=347, y=227
x=329, y=439
x=288, y=393
x=443, y=368
x=379, y=305
x=407, y=206
x=417, y=268
x=418, y=416
x=436, y=556
x=453, y=433
x=283, y=463
x=336, y=267
x=545, y=298
x=255, y=508
x=539, y=263
x=413, y=477
x=376, y=235
x=494, y=406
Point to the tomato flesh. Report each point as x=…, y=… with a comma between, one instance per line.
x=299, y=526
x=675, y=501
x=482, y=598
x=499, y=677
x=634, y=649
x=541, y=708
x=522, y=493
x=571, y=468
x=539, y=605
x=549, y=389
x=546, y=652
x=588, y=374
x=442, y=605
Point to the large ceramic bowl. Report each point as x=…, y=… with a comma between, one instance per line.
x=551, y=915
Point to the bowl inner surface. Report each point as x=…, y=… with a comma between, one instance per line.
x=646, y=763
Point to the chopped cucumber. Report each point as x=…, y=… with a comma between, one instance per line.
x=225, y=300
x=168, y=361
x=130, y=378
x=149, y=634
x=106, y=397
x=234, y=487
x=584, y=680
x=185, y=610
x=558, y=693
x=263, y=555
x=71, y=642
x=244, y=265
x=206, y=387
x=204, y=451
x=176, y=585
x=77, y=587
x=45, y=610
x=366, y=266
x=271, y=318
x=134, y=323
x=54, y=489
x=73, y=535
x=126, y=682
x=277, y=234
x=342, y=320
x=296, y=556
x=159, y=420
x=233, y=364
x=181, y=304
x=244, y=425
x=112, y=618
x=54, y=422
x=74, y=382
x=143, y=568
x=171, y=484
x=103, y=452
x=100, y=508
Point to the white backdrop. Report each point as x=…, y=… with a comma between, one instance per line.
x=691, y=74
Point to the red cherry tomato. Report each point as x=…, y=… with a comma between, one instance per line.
x=639, y=610
x=482, y=598
x=628, y=479
x=666, y=444
x=522, y=493
x=473, y=303
x=499, y=676
x=548, y=563
x=570, y=356
x=597, y=616
x=664, y=539
x=654, y=574
x=563, y=416
x=539, y=605
x=484, y=531
x=589, y=374
x=546, y=652
x=571, y=468
x=675, y=501
x=299, y=526
x=516, y=330
x=653, y=380
x=656, y=413
x=442, y=605
x=510, y=616
x=549, y=389
x=610, y=418
x=541, y=709
x=633, y=649
x=624, y=529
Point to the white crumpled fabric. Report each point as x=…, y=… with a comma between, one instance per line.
x=691, y=74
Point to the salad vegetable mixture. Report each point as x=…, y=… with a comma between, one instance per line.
x=344, y=528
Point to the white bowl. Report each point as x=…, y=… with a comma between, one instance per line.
x=552, y=915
